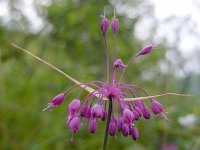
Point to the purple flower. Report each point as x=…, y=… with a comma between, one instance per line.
x=138, y=111
x=112, y=128
x=147, y=49
x=125, y=129
x=93, y=125
x=104, y=25
x=105, y=115
x=119, y=64
x=114, y=91
x=115, y=25
x=57, y=100
x=74, y=124
x=97, y=111
x=156, y=107
x=139, y=104
x=146, y=113
x=74, y=106
x=135, y=113
x=134, y=133
x=128, y=116
x=120, y=122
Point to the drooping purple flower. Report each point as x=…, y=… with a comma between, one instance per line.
x=112, y=128
x=134, y=133
x=156, y=107
x=74, y=124
x=146, y=113
x=97, y=111
x=115, y=25
x=119, y=64
x=93, y=125
x=139, y=104
x=74, y=106
x=125, y=129
x=135, y=113
x=57, y=100
x=147, y=49
x=105, y=115
x=104, y=25
x=120, y=122
x=137, y=109
x=128, y=116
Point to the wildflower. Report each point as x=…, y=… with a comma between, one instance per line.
x=112, y=128
x=115, y=24
x=97, y=111
x=74, y=106
x=93, y=125
x=147, y=49
x=125, y=129
x=134, y=133
x=57, y=100
x=156, y=107
x=146, y=113
x=74, y=124
x=104, y=25
x=114, y=91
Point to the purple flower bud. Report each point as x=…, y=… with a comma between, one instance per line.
x=97, y=111
x=120, y=122
x=147, y=49
x=105, y=115
x=137, y=116
x=156, y=107
x=134, y=133
x=128, y=116
x=112, y=128
x=74, y=106
x=125, y=129
x=57, y=100
x=139, y=104
x=119, y=64
x=104, y=26
x=93, y=125
x=115, y=25
x=74, y=124
x=83, y=110
x=137, y=109
x=146, y=113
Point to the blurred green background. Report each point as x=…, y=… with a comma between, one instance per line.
x=70, y=38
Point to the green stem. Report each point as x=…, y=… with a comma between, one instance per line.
x=107, y=123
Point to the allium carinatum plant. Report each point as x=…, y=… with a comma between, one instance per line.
x=99, y=104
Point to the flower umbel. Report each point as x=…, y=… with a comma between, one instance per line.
x=93, y=107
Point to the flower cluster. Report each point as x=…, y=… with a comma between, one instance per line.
x=99, y=103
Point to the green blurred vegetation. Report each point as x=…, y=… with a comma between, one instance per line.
x=75, y=45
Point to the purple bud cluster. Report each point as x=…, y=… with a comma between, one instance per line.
x=93, y=107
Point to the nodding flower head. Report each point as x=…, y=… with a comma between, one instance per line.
x=156, y=107
x=74, y=106
x=134, y=133
x=74, y=124
x=112, y=128
x=119, y=64
x=93, y=125
x=57, y=100
x=99, y=103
